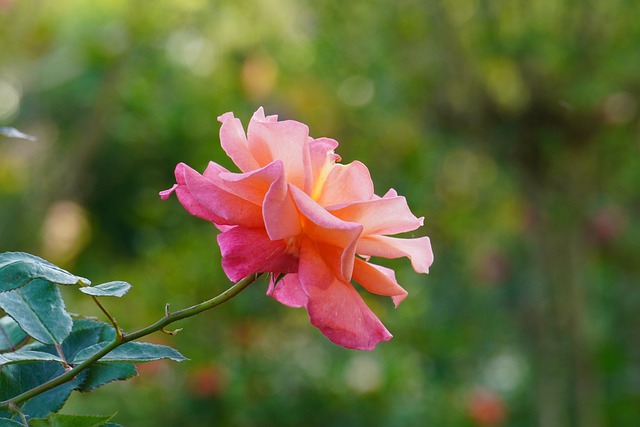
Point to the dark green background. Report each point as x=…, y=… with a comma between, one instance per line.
x=512, y=126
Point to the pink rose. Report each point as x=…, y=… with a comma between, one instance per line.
x=295, y=210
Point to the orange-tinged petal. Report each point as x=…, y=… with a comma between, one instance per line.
x=389, y=215
x=339, y=261
x=344, y=184
x=322, y=158
x=321, y=226
x=281, y=218
x=378, y=280
x=417, y=250
x=286, y=141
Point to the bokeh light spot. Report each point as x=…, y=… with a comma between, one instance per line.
x=505, y=372
x=504, y=83
x=259, y=75
x=9, y=98
x=363, y=374
x=356, y=91
x=619, y=108
x=65, y=231
x=191, y=50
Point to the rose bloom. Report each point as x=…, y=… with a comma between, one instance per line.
x=293, y=210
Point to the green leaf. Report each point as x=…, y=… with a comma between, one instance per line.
x=39, y=310
x=19, y=268
x=19, y=378
x=63, y=420
x=85, y=333
x=11, y=336
x=104, y=331
x=109, y=289
x=15, y=133
x=132, y=352
x=101, y=374
x=25, y=356
x=6, y=422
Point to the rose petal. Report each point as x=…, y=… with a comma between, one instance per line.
x=378, y=280
x=188, y=201
x=389, y=215
x=336, y=260
x=417, y=250
x=164, y=194
x=281, y=218
x=321, y=226
x=229, y=208
x=288, y=291
x=249, y=250
x=213, y=171
x=334, y=306
x=322, y=158
x=259, y=116
x=234, y=142
x=285, y=141
x=251, y=186
x=343, y=317
x=390, y=193
x=345, y=184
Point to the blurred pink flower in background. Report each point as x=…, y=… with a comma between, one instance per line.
x=295, y=210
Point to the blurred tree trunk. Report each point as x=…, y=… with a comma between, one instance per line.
x=557, y=311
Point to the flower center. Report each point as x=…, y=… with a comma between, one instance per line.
x=318, y=186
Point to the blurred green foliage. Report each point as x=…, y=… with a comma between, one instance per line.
x=512, y=126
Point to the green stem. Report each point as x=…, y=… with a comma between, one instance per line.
x=125, y=338
x=111, y=319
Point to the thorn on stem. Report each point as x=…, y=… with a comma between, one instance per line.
x=119, y=332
